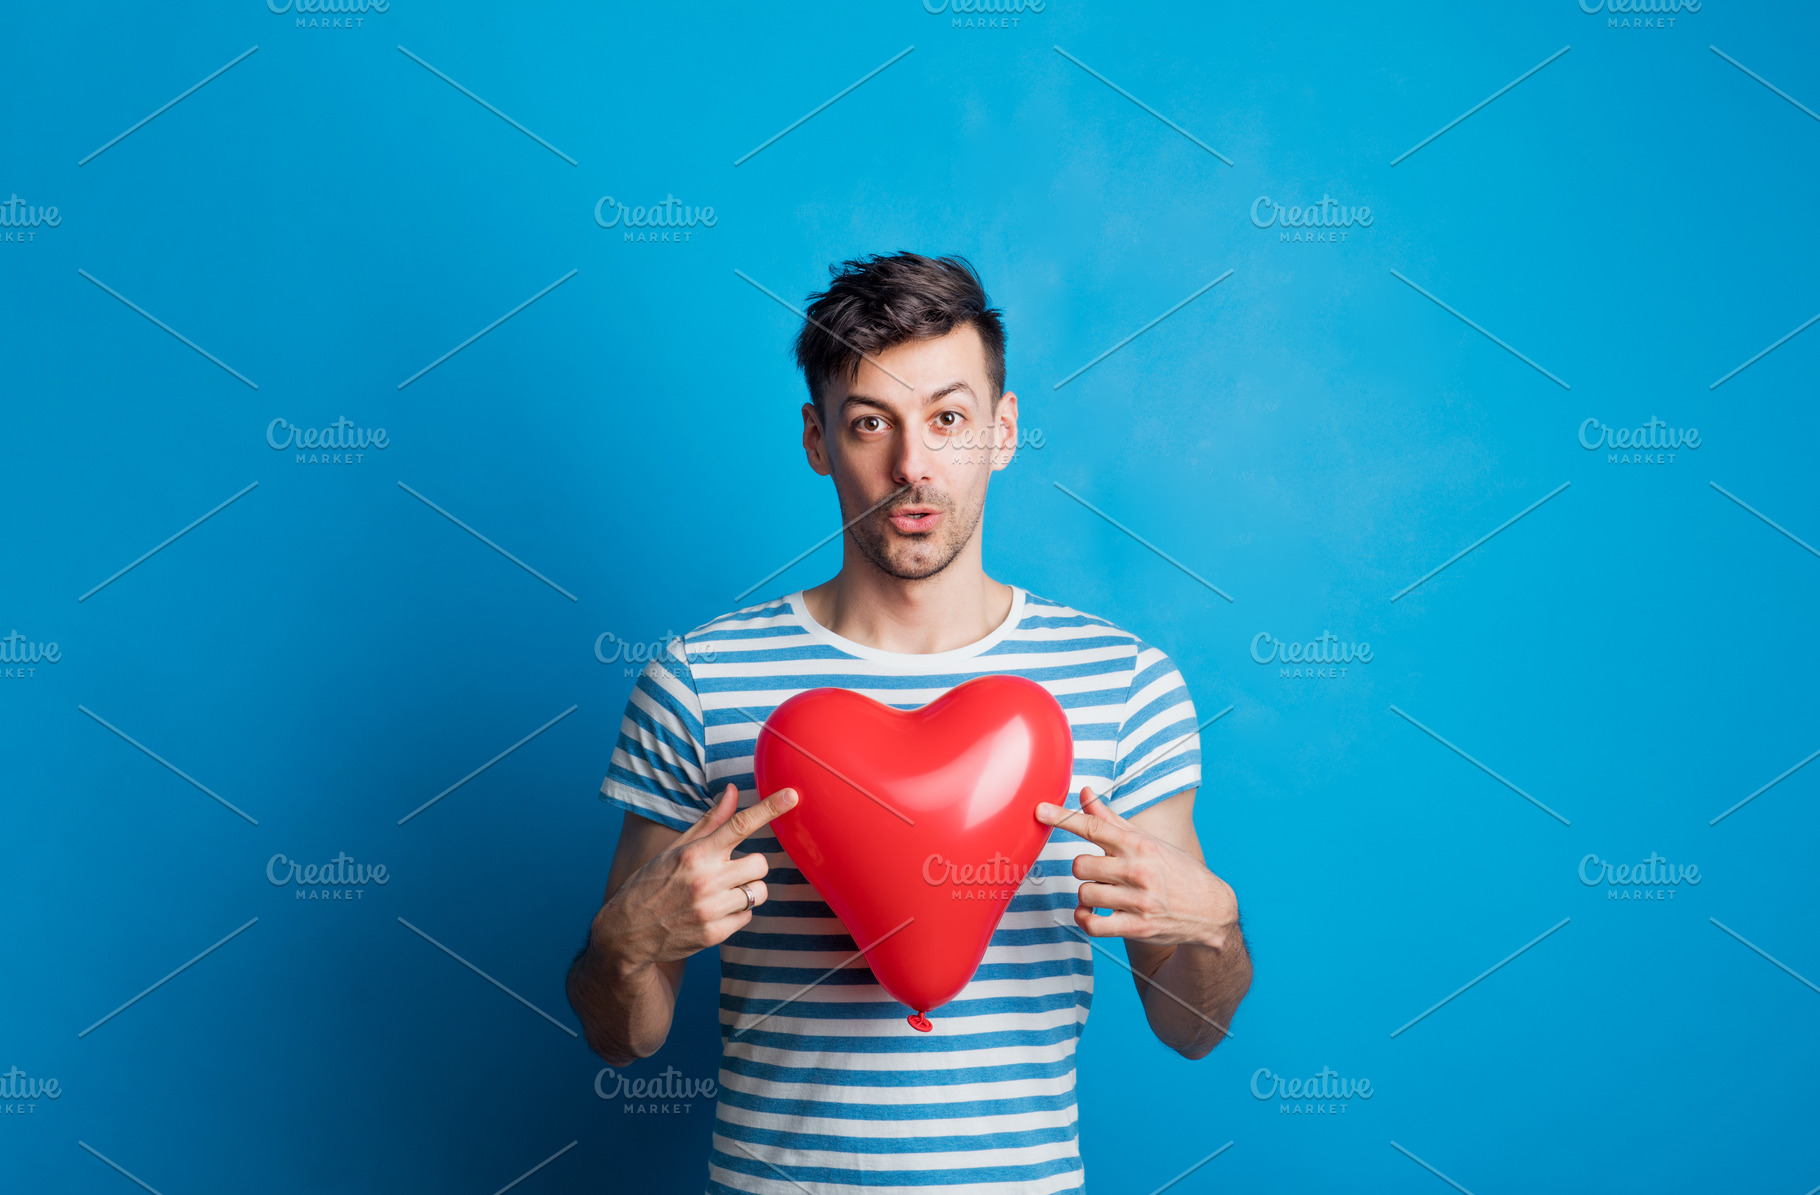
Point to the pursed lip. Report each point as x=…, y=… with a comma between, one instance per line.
x=914, y=520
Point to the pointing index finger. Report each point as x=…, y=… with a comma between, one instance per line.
x=1095, y=822
x=750, y=820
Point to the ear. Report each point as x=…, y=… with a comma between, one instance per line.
x=1005, y=422
x=815, y=444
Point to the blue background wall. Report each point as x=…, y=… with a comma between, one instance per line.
x=1312, y=435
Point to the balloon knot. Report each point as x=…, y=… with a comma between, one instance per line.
x=919, y=1022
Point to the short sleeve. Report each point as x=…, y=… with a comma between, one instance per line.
x=1159, y=749
x=659, y=766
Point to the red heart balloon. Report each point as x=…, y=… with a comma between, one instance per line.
x=916, y=827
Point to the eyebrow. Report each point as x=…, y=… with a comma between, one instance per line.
x=939, y=393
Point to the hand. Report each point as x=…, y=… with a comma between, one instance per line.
x=689, y=897
x=1158, y=892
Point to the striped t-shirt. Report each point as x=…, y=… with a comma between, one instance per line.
x=833, y=1090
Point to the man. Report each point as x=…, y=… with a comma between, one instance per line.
x=832, y=1090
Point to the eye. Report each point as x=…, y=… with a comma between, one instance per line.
x=869, y=423
x=948, y=420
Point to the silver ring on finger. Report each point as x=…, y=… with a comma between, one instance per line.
x=750, y=903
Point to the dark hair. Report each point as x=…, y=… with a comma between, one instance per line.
x=876, y=302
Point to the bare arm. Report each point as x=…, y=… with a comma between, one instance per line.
x=625, y=1010
x=669, y=894
x=1180, y=922
x=1213, y=973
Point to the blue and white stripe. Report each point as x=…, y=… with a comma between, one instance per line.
x=833, y=1091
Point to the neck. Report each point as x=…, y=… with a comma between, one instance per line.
x=955, y=607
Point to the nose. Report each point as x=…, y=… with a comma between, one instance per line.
x=914, y=461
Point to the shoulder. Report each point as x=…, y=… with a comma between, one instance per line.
x=747, y=626
x=1044, y=618
x=676, y=664
x=1145, y=669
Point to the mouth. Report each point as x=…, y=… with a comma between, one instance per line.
x=915, y=520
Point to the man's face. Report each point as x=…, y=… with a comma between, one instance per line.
x=921, y=453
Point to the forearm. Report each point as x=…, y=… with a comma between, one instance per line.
x=625, y=1003
x=1194, y=990
x=669, y=896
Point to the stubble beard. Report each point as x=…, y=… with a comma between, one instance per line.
x=921, y=556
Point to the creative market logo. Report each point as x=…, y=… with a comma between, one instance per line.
x=20, y=657
x=636, y=654
x=20, y=1093
x=1655, y=443
x=328, y=14
x=981, y=446
x=670, y=1093
x=21, y=221
x=666, y=223
x=1326, y=658
x=1639, y=14
x=1655, y=878
x=991, y=13
x=1323, y=1094
x=998, y=878
x=341, y=878
x=340, y=443
x=1322, y=223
